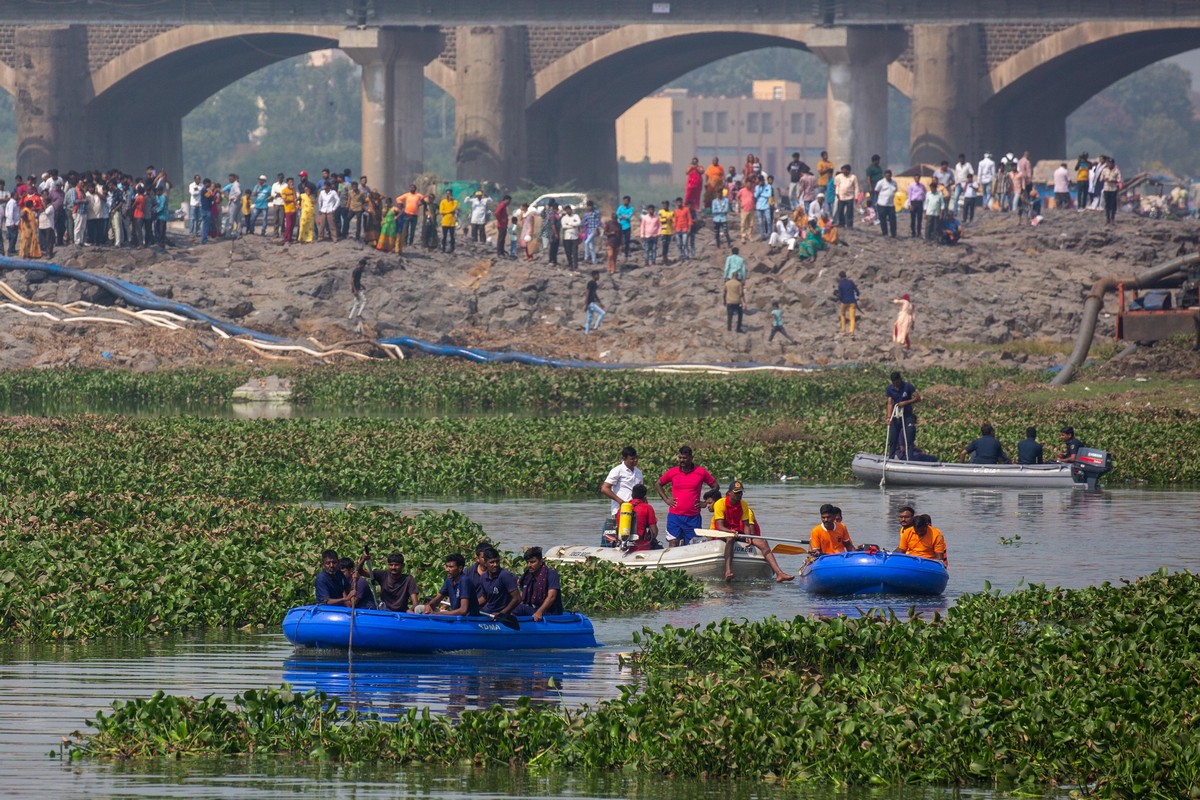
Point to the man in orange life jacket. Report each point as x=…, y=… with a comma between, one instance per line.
x=829, y=537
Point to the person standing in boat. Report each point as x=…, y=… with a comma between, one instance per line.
x=498, y=592
x=900, y=418
x=922, y=539
x=1029, y=451
x=618, y=488
x=332, y=588
x=540, y=590
x=986, y=449
x=397, y=589
x=683, y=512
x=458, y=588
x=829, y=538
x=1070, y=444
x=731, y=515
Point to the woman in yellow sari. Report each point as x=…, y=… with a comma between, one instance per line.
x=308, y=215
x=29, y=232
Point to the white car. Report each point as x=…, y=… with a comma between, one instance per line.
x=575, y=200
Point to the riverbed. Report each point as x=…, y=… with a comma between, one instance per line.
x=996, y=539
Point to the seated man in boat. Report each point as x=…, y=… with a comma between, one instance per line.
x=540, y=590
x=331, y=586
x=458, y=588
x=731, y=515
x=497, y=587
x=1029, y=451
x=828, y=538
x=922, y=540
x=987, y=448
x=397, y=589
x=359, y=594
x=645, y=523
x=1070, y=444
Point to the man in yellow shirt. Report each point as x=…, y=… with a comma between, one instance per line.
x=829, y=537
x=448, y=210
x=731, y=515
x=824, y=172
x=922, y=539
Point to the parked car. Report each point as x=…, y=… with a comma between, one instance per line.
x=576, y=200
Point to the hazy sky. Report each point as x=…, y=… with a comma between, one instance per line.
x=1190, y=62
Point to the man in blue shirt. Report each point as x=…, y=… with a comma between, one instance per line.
x=498, y=592
x=625, y=220
x=720, y=216
x=458, y=588
x=987, y=448
x=762, y=205
x=900, y=417
x=1028, y=449
x=1071, y=445
x=261, y=195
x=332, y=588
x=847, y=294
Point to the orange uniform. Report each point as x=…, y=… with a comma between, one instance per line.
x=931, y=545
x=829, y=542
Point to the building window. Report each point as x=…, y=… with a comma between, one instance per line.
x=777, y=92
x=810, y=123
x=707, y=122
x=677, y=121
x=722, y=121
x=797, y=123
x=768, y=122
x=752, y=122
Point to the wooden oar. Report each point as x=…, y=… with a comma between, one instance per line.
x=715, y=534
x=789, y=550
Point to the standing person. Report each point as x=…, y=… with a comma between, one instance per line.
x=1111, y=179
x=1062, y=187
x=649, y=231
x=682, y=222
x=935, y=204
x=613, y=235
x=714, y=181
x=686, y=480
x=735, y=266
x=916, y=208
x=552, y=232
x=625, y=220
x=12, y=224
x=161, y=212
x=905, y=318
x=1070, y=445
x=922, y=539
x=969, y=199
x=900, y=417
x=478, y=216
x=735, y=300
x=570, y=223
x=355, y=206
x=207, y=199
x=762, y=207
x=591, y=304
x=46, y=234
x=591, y=227
x=448, y=211
x=693, y=186
x=397, y=588
x=666, y=229
x=194, y=190
x=731, y=515
x=964, y=175
x=328, y=203
x=777, y=323
x=847, y=294
x=824, y=174
x=830, y=537
x=233, y=195
x=845, y=188
x=618, y=488
x=529, y=239
x=885, y=203
x=29, y=245
x=414, y=203
x=502, y=225
x=874, y=176
x=278, y=215
x=1029, y=451
x=1025, y=169
x=260, y=196
x=288, y=204
x=360, y=294
x=1082, y=169
x=387, y=240
x=308, y=214
x=987, y=177
x=745, y=198
x=720, y=216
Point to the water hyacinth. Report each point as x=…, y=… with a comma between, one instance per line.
x=1043, y=688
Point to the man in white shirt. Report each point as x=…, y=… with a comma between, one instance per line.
x=987, y=177
x=276, y=202
x=785, y=234
x=479, y=210
x=963, y=174
x=194, y=190
x=1062, y=188
x=570, y=222
x=328, y=202
x=12, y=223
x=885, y=203
x=233, y=193
x=618, y=488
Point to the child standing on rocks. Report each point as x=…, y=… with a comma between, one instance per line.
x=777, y=323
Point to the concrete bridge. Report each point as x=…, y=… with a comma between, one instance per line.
x=540, y=102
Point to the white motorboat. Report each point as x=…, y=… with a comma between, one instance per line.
x=701, y=559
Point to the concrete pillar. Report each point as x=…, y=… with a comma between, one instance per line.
x=493, y=89
x=50, y=76
x=857, y=103
x=945, y=101
x=393, y=99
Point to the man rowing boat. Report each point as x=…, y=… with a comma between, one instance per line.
x=731, y=515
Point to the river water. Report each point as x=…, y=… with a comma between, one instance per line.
x=1003, y=539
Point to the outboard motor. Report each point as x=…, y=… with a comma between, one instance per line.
x=1089, y=465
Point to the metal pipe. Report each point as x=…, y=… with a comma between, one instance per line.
x=1095, y=301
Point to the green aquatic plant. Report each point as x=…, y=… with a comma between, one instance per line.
x=1044, y=688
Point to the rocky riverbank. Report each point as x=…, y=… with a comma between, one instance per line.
x=1009, y=293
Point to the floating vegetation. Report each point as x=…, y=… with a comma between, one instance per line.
x=1044, y=688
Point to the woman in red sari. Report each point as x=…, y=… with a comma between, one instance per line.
x=695, y=183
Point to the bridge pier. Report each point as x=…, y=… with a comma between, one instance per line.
x=393, y=100
x=492, y=94
x=945, y=101
x=857, y=95
x=51, y=76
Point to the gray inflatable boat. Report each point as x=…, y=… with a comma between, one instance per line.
x=872, y=468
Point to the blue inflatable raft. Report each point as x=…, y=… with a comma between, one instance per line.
x=329, y=626
x=873, y=573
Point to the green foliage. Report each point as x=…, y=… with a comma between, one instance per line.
x=186, y=388
x=79, y=566
x=1042, y=688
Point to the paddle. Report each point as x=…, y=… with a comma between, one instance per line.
x=789, y=550
x=714, y=534
x=506, y=619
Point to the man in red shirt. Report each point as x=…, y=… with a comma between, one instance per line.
x=502, y=225
x=645, y=523
x=683, y=512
